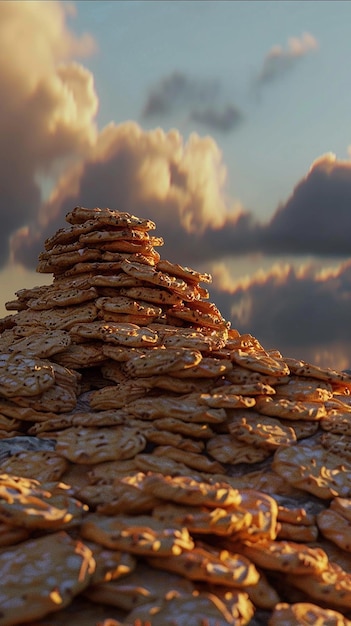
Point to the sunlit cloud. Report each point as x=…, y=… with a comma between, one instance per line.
x=47, y=105
x=279, y=60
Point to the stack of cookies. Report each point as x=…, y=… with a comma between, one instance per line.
x=162, y=440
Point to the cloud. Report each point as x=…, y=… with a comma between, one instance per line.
x=178, y=90
x=224, y=120
x=303, y=312
x=279, y=61
x=198, y=97
x=316, y=218
x=47, y=104
x=180, y=184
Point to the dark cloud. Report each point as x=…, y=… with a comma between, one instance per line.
x=304, y=313
x=279, y=61
x=316, y=219
x=178, y=90
x=224, y=120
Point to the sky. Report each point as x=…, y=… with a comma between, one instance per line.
x=228, y=123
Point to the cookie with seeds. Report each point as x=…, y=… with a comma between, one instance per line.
x=142, y=535
x=304, y=613
x=108, y=217
x=198, y=608
x=196, y=316
x=87, y=354
x=187, y=490
x=40, y=345
x=117, y=396
x=341, y=446
x=186, y=407
x=227, y=449
x=303, y=368
x=62, y=318
x=58, y=399
x=261, y=431
x=209, y=367
x=151, y=294
x=25, y=376
x=314, y=469
x=185, y=273
x=260, y=362
x=332, y=583
x=44, y=585
x=45, y=465
x=334, y=523
x=162, y=361
x=67, y=297
x=193, y=460
x=144, y=584
x=24, y=503
x=285, y=556
x=203, y=520
x=305, y=389
x=122, y=334
x=290, y=409
x=213, y=566
x=123, y=304
x=95, y=445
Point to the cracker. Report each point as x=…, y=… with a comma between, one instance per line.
x=260, y=362
x=60, y=318
x=290, y=409
x=162, y=361
x=142, y=535
x=80, y=355
x=193, y=460
x=185, y=273
x=123, y=304
x=226, y=400
x=25, y=376
x=45, y=465
x=239, y=375
x=123, y=334
x=151, y=294
x=109, y=217
x=208, y=367
x=314, y=469
x=109, y=564
x=264, y=516
x=37, y=587
x=285, y=614
x=341, y=446
x=58, y=399
x=186, y=490
x=40, y=345
x=117, y=396
x=196, y=609
x=162, y=465
x=24, y=503
x=334, y=523
x=196, y=316
x=143, y=584
x=185, y=408
x=300, y=388
x=302, y=368
x=261, y=431
x=332, y=583
x=95, y=445
x=219, y=567
x=202, y=520
x=226, y=449
x=285, y=556
x=68, y=297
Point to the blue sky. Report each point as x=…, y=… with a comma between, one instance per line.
x=289, y=122
x=219, y=120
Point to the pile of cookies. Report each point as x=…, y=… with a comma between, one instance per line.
x=157, y=466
